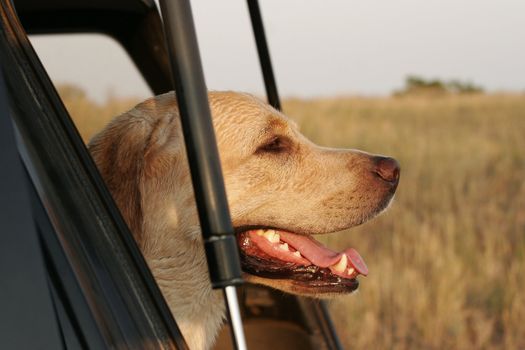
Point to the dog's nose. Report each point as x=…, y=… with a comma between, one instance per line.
x=387, y=168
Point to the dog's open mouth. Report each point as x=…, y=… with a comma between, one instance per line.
x=300, y=259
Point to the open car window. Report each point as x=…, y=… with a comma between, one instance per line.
x=91, y=95
x=119, y=297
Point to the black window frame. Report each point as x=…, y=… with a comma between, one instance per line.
x=117, y=290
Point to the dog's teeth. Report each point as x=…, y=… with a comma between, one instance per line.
x=297, y=254
x=350, y=271
x=284, y=246
x=341, y=265
x=268, y=234
x=259, y=232
x=272, y=236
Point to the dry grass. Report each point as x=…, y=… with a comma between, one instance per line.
x=447, y=261
x=89, y=116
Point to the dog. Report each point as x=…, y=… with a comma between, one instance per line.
x=282, y=189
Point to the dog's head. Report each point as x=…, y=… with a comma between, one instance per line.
x=282, y=189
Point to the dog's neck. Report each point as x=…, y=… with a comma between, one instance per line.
x=181, y=271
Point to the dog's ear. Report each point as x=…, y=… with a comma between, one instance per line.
x=118, y=151
x=132, y=148
x=164, y=146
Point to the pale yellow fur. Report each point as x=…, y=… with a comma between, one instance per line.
x=307, y=189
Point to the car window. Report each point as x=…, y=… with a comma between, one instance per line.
x=94, y=76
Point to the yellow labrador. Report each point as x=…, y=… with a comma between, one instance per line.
x=281, y=188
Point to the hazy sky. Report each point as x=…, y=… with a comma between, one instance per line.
x=325, y=47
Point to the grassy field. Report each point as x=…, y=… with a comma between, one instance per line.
x=447, y=261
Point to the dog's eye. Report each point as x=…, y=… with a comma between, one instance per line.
x=275, y=145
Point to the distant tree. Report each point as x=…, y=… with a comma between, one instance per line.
x=416, y=85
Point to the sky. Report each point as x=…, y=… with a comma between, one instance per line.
x=323, y=47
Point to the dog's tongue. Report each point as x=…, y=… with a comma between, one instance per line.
x=320, y=255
